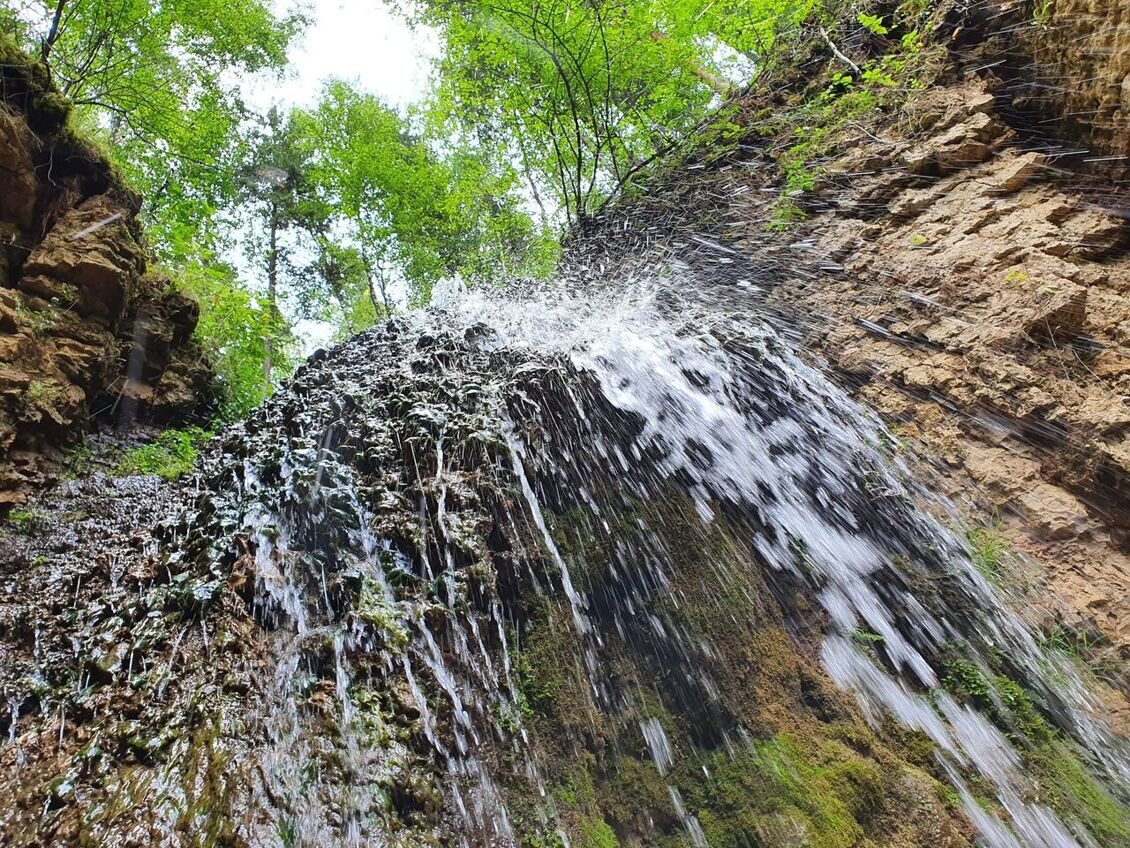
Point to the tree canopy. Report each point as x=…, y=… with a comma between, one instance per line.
x=584, y=94
x=350, y=209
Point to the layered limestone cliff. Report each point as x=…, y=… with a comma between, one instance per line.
x=977, y=292
x=85, y=332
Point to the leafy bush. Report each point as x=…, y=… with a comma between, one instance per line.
x=24, y=520
x=172, y=455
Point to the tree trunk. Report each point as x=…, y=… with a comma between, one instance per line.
x=53, y=33
x=272, y=291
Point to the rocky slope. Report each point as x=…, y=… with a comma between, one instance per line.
x=981, y=299
x=85, y=332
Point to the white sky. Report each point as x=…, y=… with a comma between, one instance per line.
x=362, y=41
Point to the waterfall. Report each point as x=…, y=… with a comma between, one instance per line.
x=607, y=560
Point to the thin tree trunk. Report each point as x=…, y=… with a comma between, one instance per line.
x=272, y=292
x=532, y=182
x=373, y=294
x=375, y=277
x=53, y=32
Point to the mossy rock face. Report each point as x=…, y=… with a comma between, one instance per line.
x=777, y=757
x=25, y=84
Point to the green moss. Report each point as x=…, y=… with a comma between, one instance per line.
x=810, y=772
x=26, y=85
x=24, y=520
x=373, y=608
x=818, y=792
x=42, y=394
x=1067, y=788
x=1064, y=783
x=595, y=833
x=172, y=455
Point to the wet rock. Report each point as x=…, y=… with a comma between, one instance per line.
x=1053, y=310
x=92, y=249
x=78, y=318
x=19, y=187
x=1018, y=172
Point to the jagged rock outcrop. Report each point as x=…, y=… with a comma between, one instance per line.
x=84, y=330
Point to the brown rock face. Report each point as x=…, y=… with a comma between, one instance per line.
x=1080, y=73
x=90, y=256
x=83, y=331
x=18, y=185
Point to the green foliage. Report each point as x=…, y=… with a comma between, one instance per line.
x=171, y=455
x=79, y=460
x=873, y=24
x=1000, y=697
x=988, y=548
x=42, y=393
x=154, y=83
x=233, y=329
x=816, y=127
x=1078, y=644
x=583, y=94
x=155, y=86
x=382, y=209
x=1073, y=793
x=24, y=520
x=1063, y=782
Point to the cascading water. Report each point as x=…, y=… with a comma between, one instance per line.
x=717, y=406
x=582, y=560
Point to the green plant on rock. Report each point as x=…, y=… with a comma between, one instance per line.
x=988, y=549
x=1042, y=12
x=79, y=460
x=171, y=455
x=1073, y=793
x=873, y=24
x=24, y=520
x=41, y=393
x=1002, y=699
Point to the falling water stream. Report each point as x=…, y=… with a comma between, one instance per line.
x=399, y=506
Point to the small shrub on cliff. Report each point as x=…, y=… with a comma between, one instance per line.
x=172, y=455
